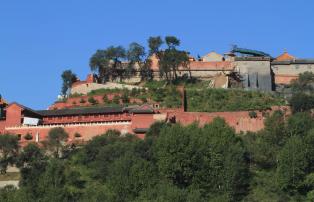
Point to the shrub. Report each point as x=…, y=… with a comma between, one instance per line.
x=92, y=100
x=28, y=137
x=82, y=100
x=77, y=135
x=105, y=99
x=135, y=92
x=253, y=114
x=125, y=97
x=116, y=99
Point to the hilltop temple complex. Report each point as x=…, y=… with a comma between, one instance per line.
x=250, y=70
x=244, y=68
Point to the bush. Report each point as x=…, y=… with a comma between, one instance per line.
x=116, y=99
x=82, y=101
x=77, y=135
x=105, y=99
x=28, y=137
x=213, y=100
x=92, y=100
x=125, y=97
x=253, y=114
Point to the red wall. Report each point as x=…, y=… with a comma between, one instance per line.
x=142, y=120
x=2, y=126
x=86, y=118
x=87, y=131
x=13, y=115
x=75, y=101
x=239, y=120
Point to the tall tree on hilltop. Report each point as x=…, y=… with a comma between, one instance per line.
x=108, y=63
x=99, y=63
x=115, y=55
x=135, y=56
x=171, y=58
x=154, y=44
x=68, y=78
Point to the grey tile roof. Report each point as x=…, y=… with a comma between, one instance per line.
x=81, y=111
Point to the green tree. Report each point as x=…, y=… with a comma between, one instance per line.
x=292, y=165
x=302, y=93
x=32, y=164
x=299, y=124
x=116, y=99
x=211, y=159
x=301, y=102
x=9, y=147
x=171, y=59
x=56, y=141
x=68, y=78
x=136, y=59
x=92, y=100
x=108, y=63
x=154, y=44
x=129, y=175
x=100, y=63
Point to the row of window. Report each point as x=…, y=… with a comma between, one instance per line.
x=85, y=117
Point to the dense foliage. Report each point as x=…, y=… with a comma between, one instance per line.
x=174, y=163
x=302, y=98
x=68, y=78
x=115, y=62
x=213, y=100
x=205, y=163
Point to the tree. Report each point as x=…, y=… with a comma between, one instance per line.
x=303, y=83
x=108, y=63
x=68, y=78
x=170, y=59
x=115, y=55
x=100, y=63
x=154, y=44
x=301, y=102
x=129, y=175
x=292, y=165
x=8, y=150
x=210, y=158
x=56, y=141
x=302, y=93
x=135, y=56
x=299, y=124
x=92, y=100
x=32, y=164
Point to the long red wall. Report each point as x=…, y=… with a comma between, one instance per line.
x=76, y=101
x=87, y=131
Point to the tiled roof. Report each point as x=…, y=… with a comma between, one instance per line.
x=285, y=57
x=81, y=111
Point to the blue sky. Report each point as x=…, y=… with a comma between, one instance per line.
x=39, y=39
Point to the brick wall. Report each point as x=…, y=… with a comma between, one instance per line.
x=87, y=131
x=76, y=101
x=13, y=115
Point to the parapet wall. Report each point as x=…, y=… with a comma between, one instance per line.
x=239, y=120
